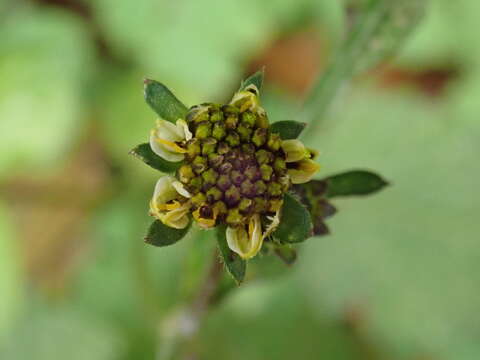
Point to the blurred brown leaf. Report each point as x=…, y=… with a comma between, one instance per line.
x=293, y=61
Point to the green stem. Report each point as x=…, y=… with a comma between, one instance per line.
x=343, y=64
x=180, y=329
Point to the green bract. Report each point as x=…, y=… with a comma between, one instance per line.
x=228, y=168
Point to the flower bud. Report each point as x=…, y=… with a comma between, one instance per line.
x=233, y=139
x=209, y=177
x=274, y=205
x=264, y=156
x=252, y=172
x=259, y=205
x=274, y=189
x=279, y=165
x=266, y=172
x=237, y=177
x=248, y=149
x=260, y=187
x=245, y=205
x=234, y=217
x=199, y=164
x=195, y=184
x=225, y=168
x=214, y=194
x=217, y=116
x=224, y=182
x=259, y=137
x=229, y=110
x=185, y=173
x=262, y=121
x=219, y=131
x=198, y=199
x=223, y=148
x=215, y=160
x=274, y=142
x=244, y=132
x=220, y=208
x=209, y=145
x=249, y=119
x=231, y=121
x=193, y=148
x=197, y=114
x=204, y=130
x=232, y=196
x=247, y=188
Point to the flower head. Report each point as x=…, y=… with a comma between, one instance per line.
x=230, y=169
x=235, y=170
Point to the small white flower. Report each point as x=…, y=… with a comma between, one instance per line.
x=294, y=150
x=304, y=171
x=164, y=139
x=246, y=243
x=247, y=99
x=205, y=223
x=166, y=205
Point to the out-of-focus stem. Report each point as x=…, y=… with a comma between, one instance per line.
x=180, y=329
x=375, y=30
x=341, y=66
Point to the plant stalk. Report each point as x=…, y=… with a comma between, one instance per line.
x=180, y=329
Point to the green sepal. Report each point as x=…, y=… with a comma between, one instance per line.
x=255, y=79
x=286, y=253
x=163, y=102
x=288, y=129
x=356, y=182
x=144, y=152
x=160, y=234
x=312, y=195
x=295, y=222
x=234, y=264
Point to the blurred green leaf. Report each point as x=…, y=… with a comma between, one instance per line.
x=160, y=234
x=280, y=309
x=78, y=336
x=434, y=44
x=379, y=29
x=288, y=129
x=398, y=20
x=175, y=43
x=356, y=182
x=163, y=102
x=134, y=272
x=286, y=253
x=295, y=222
x=395, y=254
x=41, y=93
x=254, y=79
x=10, y=276
x=144, y=152
x=234, y=264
